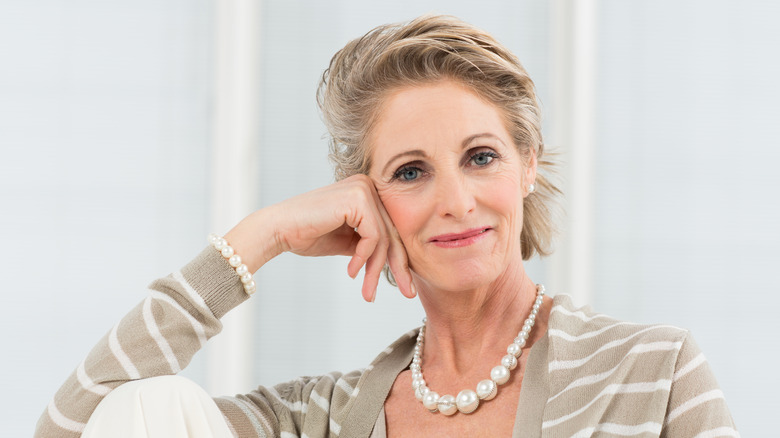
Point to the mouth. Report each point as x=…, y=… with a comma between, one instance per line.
x=454, y=237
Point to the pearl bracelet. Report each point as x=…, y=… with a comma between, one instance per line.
x=221, y=245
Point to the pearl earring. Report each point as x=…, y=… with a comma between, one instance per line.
x=531, y=188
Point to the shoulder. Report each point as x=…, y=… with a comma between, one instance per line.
x=582, y=331
x=600, y=369
x=592, y=346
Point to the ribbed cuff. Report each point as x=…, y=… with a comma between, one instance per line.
x=216, y=281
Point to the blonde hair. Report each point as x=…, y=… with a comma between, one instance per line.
x=427, y=49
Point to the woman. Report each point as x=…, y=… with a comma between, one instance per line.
x=438, y=151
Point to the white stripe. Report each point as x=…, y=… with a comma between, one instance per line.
x=194, y=296
x=690, y=366
x=341, y=383
x=154, y=331
x=692, y=403
x=320, y=401
x=720, y=431
x=88, y=384
x=565, y=336
x=578, y=314
x=387, y=350
x=595, y=378
x=63, y=421
x=615, y=388
x=620, y=429
x=294, y=407
x=119, y=354
x=196, y=325
x=335, y=428
x=574, y=363
x=288, y=435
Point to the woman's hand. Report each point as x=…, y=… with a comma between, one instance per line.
x=345, y=218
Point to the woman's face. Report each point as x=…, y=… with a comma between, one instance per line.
x=453, y=183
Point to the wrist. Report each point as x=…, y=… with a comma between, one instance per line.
x=256, y=238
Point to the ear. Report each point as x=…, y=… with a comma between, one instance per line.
x=529, y=176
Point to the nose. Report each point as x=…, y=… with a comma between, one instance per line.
x=455, y=196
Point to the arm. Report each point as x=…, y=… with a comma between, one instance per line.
x=182, y=311
x=696, y=403
x=158, y=337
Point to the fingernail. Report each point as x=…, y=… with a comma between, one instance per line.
x=373, y=296
x=414, y=290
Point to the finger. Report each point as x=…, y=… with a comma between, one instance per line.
x=368, y=231
x=399, y=266
x=374, y=270
x=369, y=228
x=398, y=259
x=363, y=251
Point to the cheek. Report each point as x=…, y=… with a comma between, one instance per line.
x=405, y=213
x=505, y=196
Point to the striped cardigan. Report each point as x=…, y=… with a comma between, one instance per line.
x=589, y=375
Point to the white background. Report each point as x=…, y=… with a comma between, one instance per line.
x=108, y=139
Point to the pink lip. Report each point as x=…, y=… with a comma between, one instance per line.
x=456, y=240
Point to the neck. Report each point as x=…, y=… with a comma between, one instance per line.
x=478, y=323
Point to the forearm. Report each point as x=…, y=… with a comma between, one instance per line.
x=157, y=337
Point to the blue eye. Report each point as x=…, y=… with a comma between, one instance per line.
x=407, y=174
x=483, y=158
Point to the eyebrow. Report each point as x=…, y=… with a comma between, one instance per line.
x=421, y=153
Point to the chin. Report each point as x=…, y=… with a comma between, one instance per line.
x=460, y=276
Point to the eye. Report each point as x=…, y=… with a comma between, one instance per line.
x=483, y=158
x=407, y=173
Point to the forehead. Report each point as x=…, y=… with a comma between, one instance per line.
x=430, y=117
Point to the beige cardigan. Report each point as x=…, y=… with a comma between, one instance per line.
x=589, y=375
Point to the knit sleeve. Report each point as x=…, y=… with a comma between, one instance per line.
x=158, y=337
x=696, y=403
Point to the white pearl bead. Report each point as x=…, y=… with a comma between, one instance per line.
x=420, y=392
x=513, y=349
x=416, y=375
x=499, y=374
x=213, y=238
x=487, y=389
x=246, y=278
x=242, y=269
x=447, y=405
x=467, y=401
x=520, y=341
x=417, y=383
x=227, y=252
x=235, y=260
x=431, y=401
x=220, y=243
x=509, y=361
x=250, y=284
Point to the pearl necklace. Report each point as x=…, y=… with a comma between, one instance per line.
x=467, y=400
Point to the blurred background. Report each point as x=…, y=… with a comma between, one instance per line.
x=129, y=130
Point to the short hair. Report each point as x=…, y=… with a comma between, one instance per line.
x=428, y=49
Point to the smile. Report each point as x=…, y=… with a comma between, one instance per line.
x=456, y=240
